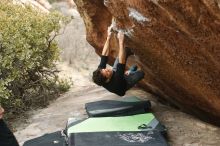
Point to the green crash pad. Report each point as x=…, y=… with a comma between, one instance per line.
x=107, y=124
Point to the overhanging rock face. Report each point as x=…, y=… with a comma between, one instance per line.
x=176, y=42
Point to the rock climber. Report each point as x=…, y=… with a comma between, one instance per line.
x=115, y=79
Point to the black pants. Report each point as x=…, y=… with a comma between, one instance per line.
x=6, y=136
x=133, y=78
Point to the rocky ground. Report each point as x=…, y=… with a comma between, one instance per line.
x=78, y=61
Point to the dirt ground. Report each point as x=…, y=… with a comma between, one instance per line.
x=78, y=61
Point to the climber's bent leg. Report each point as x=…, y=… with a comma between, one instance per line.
x=134, y=78
x=133, y=69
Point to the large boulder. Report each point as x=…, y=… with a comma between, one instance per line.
x=176, y=42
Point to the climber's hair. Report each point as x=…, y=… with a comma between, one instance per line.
x=98, y=78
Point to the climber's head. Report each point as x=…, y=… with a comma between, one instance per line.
x=101, y=76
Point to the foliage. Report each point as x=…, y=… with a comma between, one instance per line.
x=28, y=53
x=52, y=1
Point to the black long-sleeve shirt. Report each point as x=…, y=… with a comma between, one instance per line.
x=117, y=83
x=6, y=136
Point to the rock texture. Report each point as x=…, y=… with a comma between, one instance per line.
x=177, y=44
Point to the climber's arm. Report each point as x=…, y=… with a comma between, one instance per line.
x=106, y=48
x=122, y=52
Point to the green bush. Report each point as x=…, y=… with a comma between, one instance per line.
x=28, y=53
x=53, y=1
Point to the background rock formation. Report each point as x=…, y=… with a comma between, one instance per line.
x=177, y=44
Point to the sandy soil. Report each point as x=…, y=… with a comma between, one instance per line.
x=78, y=61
